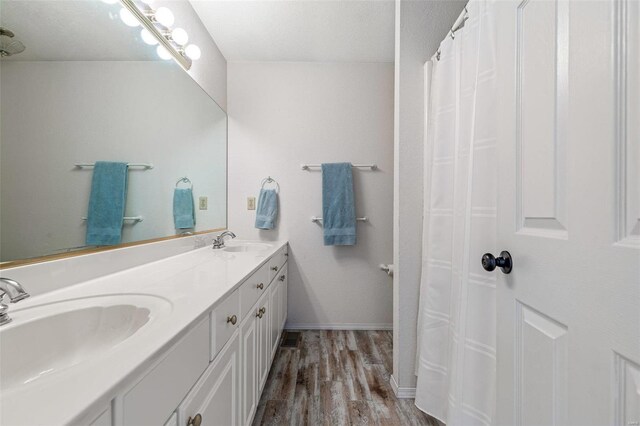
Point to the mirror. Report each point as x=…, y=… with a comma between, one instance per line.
x=86, y=88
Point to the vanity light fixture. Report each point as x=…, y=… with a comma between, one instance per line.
x=147, y=37
x=180, y=36
x=193, y=52
x=163, y=53
x=163, y=16
x=127, y=17
x=156, y=29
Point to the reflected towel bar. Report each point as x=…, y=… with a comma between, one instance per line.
x=316, y=166
x=135, y=219
x=146, y=166
x=319, y=219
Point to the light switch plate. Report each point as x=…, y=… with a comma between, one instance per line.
x=251, y=203
x=203, y=203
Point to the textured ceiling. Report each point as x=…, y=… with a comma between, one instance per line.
x=72, y=30
x=301, y=30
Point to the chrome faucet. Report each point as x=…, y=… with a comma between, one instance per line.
x=16, y=293
x=218, y=242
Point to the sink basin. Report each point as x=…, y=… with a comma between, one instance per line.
x=252, y=247
x=45, y=339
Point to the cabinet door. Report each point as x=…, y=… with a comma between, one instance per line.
x=284, y=286
x=249, y=366
x=264, y=338
x=216, y=396
x=274, y=320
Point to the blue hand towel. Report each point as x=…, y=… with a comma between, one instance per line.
x=338, y=207
x=267, y=212
x=184, y=215
x=106, y=203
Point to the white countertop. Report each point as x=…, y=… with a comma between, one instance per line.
x=193, y=283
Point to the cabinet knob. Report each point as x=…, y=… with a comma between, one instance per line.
x=259, y=313
x=232, y=319
x=263, y=310
x=274, y=268
x=195, y=420
x=260, y=286
x=281, y=277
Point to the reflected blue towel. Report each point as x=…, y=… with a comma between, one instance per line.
x=338, y=207
x=106, y=204
x=267, y=212
x=184, y=215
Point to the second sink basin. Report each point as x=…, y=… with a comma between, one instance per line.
x=247, y=246
x=44, y=339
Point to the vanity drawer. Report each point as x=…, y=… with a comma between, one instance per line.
x=152, y=400
x=222, y=322
x=276, y=262
x=253, y=288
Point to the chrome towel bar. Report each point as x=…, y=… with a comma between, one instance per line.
x=317, y=166
x=146, y=166
x=319, y=219
x=136, y=219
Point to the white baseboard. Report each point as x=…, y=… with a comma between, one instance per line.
x=402, y=393
x=348, y=326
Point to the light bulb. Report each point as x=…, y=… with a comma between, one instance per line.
x=163, y=53
x=193, y=52
x=128, y=18
x=147, y=37
x=164, y=16
x=180, y=36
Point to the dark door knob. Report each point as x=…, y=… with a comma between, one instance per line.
x=504, y=262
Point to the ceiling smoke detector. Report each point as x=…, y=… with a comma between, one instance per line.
x=8, y=44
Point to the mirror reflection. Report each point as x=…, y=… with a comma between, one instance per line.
x=95, y=126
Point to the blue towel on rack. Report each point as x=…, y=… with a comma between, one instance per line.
x=338, y=206
x=267, y=212
x=107, y=203
x=184, y=215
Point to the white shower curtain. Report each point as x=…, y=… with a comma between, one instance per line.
x=456, y=356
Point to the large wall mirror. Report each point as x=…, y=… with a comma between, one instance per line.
x=87, y=89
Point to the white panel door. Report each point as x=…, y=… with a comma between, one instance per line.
x=568, y=212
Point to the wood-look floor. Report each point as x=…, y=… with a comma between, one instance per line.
x=336, y=378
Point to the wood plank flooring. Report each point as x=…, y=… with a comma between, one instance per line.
x=336, y=378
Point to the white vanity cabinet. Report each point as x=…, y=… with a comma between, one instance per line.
x=215, y=374
x=215, y=399
x=157, y=394
x=264, y=338
x=278, y=300
x=249, y=365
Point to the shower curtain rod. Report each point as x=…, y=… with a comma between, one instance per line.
x=458, y=24
x=464, y=15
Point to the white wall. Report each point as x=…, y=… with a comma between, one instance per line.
x=285, y=114
x=420, y=27
x=55, y=114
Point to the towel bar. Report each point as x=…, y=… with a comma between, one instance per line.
x=136, y=219
x=319, y=219
x=364, y=166
x=146, y=166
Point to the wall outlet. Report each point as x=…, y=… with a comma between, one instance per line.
x=203, y=203
x=251, y=203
